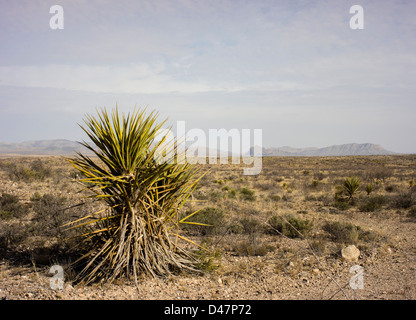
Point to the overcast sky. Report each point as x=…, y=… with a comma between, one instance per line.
x=293, y=68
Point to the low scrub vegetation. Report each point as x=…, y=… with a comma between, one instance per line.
x=325, y=203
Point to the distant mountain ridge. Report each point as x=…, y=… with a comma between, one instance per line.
x=67, y=147
x=350, y=149
x=42, y=147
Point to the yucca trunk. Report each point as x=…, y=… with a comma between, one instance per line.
x=133, y=234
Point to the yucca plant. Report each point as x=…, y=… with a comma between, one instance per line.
x=136, y=232
x=350, y=186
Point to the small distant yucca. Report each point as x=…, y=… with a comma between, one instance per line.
x=142, y=197
x=351, y=185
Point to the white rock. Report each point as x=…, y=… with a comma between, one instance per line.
x=350, y=253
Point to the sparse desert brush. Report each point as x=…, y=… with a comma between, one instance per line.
x=50, y=214
x=250, y=225
x=253, y=248
x=247, y=194
x=36, y=170
x=373, y=203
x=348, y=233
x=207, y=221
x=380, y=173
x=275, y=197
x=404, y=200
x=10, y=207
x=315, y=184
x=318, y=246
x=142, y=194
x=289, y=225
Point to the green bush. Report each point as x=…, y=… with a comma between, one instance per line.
x=250, y=225
x=50, y=214
x=315, y=184
x=347, y=233
x=289, y=225
x=10, y=207
x=373, y=204
x=404, y=200
x=252, y=248
x=208, y=221
x=247, y=194
x=343, y=232
x=37, y=170
x=341, y=204
x=275, y=197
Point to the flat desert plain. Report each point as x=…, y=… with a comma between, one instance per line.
x=281, y=234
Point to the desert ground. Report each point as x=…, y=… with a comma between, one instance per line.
x=276, y=235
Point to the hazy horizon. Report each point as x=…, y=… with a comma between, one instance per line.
x=294, y=69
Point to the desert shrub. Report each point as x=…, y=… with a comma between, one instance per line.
x=310, y=197
x=247, y=194
x=230, y=192
x=264, y=185
x=208, y=221
x=208, y=261
x=215, y=196
x=235, y=227
x=380, y=173
x=10, y=207
x=294, y=226
x=373, y=203
x=343, y=232
x=250, y=225
x=275, y=197
x=11, y=235
x=319, y=176
x=289, y=225
x=347, y=233
x=287, y=198
x=404, y=200
x=341, y=204
x=318, y=246
x=37, y=170
x=36, y=196
x=315, y=184
x=50, y=215
x=412, y=212
x=252, y=248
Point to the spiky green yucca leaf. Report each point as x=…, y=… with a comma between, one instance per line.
x=142, y=194
x=351, y=185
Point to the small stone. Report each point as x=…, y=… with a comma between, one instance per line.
x=69, y=287
x=350, y=253
x=315, y=271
